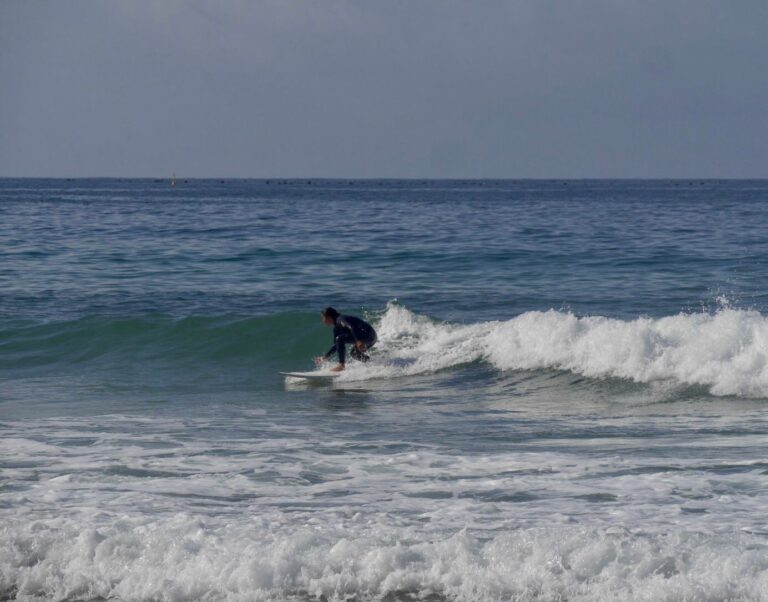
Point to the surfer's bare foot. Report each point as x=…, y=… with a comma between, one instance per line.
x=338, y=368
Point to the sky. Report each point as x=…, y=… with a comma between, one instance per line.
x=388, y=88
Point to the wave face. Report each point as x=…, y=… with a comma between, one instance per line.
x=724, y=351
x=104, y=340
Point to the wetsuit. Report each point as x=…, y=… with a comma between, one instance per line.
x=349, y=330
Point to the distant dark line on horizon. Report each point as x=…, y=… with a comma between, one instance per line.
x=392, y=179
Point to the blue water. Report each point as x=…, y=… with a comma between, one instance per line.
x=568, y=399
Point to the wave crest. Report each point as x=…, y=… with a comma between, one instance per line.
x=725, y=351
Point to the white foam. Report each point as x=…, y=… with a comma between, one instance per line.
x=188, y=558
x=726, y=351
x=103, y=511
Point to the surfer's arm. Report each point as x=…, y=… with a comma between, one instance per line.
x=341, y=349
x=321, y=359
x=338, y=347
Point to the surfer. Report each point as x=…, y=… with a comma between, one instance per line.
x=347, y=330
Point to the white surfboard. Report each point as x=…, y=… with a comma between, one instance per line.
x=316, y=375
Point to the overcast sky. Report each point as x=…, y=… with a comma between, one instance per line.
x=423, y=88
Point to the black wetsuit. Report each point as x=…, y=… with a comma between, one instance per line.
x=350, y=330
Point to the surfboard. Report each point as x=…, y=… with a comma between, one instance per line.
x=316, y=375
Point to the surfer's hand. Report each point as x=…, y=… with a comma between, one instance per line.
x=360, y=346
x=338, y=368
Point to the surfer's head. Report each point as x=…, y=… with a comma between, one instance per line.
x=329, y=315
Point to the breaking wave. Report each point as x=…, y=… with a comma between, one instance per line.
x=725, y=352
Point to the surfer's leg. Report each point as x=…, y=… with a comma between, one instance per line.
x=361, y=355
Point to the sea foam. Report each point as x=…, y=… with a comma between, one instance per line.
x=186, y=558
x=724, y=351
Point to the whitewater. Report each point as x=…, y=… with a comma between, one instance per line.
x=724, y=351
x=567, y=400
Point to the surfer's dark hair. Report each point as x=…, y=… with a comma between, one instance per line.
x=331, y=313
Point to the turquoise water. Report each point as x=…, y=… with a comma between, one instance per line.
x=568, y=400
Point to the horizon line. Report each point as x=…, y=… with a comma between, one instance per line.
x=388, y=178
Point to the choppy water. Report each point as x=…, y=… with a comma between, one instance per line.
x=568, y=401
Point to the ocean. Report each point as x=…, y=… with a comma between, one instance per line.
x=568, y=399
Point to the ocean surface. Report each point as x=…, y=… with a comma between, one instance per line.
x=568, y=400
